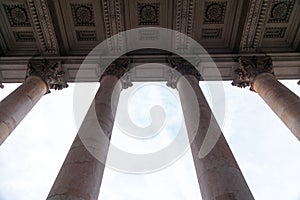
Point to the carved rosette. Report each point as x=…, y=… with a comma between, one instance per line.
x=180, y=67
x=120, y=69
x=50, y=72
x=249, y=68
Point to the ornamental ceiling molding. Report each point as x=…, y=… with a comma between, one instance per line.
x=184, y=22
x=43, y=25
x=113, y=24
x=257, y=17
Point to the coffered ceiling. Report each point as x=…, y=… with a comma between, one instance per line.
x=74, y=27
x=70, y=28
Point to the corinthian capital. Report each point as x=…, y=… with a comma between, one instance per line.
x=180, y=67
x=249, y=68
x=50, y=72
x=120, y=69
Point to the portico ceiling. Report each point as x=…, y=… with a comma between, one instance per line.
x=67, y=30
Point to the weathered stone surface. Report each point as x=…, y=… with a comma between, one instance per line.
x=281, y=100
x=81, y=175
x=16, y=105
x=218, y=173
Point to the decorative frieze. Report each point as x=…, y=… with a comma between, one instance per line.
x=215, y=12
x=43, y=25
x=249, y=68
x=83, y=14
x=148, y=13
x=17, y=15
x=50, y=72
x=281, y=11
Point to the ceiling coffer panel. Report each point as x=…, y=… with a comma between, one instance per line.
x=17, y=33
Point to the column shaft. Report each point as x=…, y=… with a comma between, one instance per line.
x=281, y=100
x=16, y=105
x=218, y=173
x=81, y=175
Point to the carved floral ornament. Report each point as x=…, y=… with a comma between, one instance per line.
x=281, y=11
x=120, y=69
x=83, y=14
x=148, y=13
x=215, y=12
x=249, y=68
x=17, y=15
x=50, y=72
x=180, y=67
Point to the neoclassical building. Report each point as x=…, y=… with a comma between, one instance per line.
x=46, y=44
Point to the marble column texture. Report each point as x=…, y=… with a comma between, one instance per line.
x=41, y=77
x=218, y=173
x=81, y=174
x=258, y=74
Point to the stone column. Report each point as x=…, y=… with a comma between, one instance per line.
x=218, y=173
x=41, y=77
x=81, y=174
x=258, y=74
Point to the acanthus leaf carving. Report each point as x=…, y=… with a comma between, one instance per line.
x=118, y=68
x=180, y=67
x=50, y=72
x=249, y=68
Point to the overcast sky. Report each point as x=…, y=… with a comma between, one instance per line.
x=267, y=153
